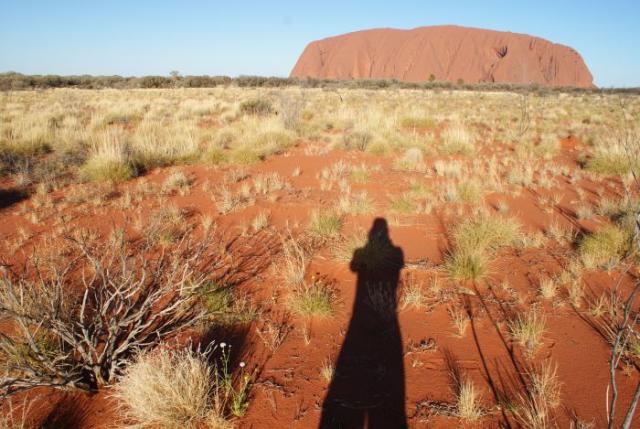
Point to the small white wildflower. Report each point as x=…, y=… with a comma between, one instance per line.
x=242, y=364
x=223, y=345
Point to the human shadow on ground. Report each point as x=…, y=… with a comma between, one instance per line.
x=368, y=386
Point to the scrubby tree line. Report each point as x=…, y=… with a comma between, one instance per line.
x=12, y=81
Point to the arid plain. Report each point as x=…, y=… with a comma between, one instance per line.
x=221, y=257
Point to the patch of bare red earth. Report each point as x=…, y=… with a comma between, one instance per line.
x=289, y=390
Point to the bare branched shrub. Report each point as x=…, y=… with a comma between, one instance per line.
x=77, y=320
x=84, y=340
x=524, y=122
x=621, y=328
x=273, y=333
x=357, y=140
x=291, y=108
x=624, y=325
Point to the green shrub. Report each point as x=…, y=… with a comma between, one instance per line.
x=467, y=265
x=417, y=122
x=605, y=247
x=357, y=141
x=105, y=170
x=215, y=299
x=325, y=225
x=244, y=156
x=611, y=163
x=474, y=241
x=315, y=299
x=403, y=204
x=154, y=82
x=256, y=107
x=486, y=233
x=214, y=156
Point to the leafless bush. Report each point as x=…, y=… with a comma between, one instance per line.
x=623, y=327
x=628, y=137
x=291, y=108
x=77, y=327
x=524, y=122
x=357, y=140
x=623, y=331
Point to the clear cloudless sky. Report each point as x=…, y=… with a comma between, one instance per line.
x=140, y=37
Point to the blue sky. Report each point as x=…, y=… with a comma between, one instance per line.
x=139, y=37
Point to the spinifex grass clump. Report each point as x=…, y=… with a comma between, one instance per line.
x=475, y=240
x=612, y=157
x=468, y=401
x=413, y=122
x=315, y=298
x=325, y=225
x=168, y=389
x=109, y=160
x=534, y=408
x=294, y=262
x=605, y=247
x=256, y=106
x=184, y=388
x=457, y=140
x=527, y=330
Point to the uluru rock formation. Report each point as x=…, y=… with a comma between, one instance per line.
x=446, y=53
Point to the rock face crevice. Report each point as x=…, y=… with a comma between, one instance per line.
x=449, y=53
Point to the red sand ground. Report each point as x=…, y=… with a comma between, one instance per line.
x=289, y=391
x=448, y=53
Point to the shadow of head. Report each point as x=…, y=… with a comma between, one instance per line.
x=378, y=256
x=379, y=230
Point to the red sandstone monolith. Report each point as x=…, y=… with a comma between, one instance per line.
x=444, y=53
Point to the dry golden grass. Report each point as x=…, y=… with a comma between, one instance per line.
x=474, y=241
x=294, y=262
x=313, y=299
x=327, y=370
x=533, y=409
x=527, y=330
x=220, y=126
x=170, y=390
x=605, y=247
x=468, y=401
